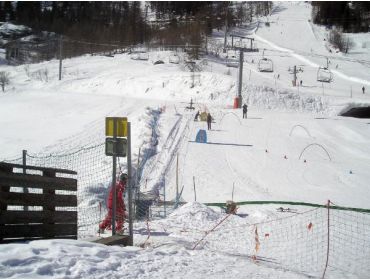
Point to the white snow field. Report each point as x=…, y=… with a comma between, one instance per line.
x=293, y=147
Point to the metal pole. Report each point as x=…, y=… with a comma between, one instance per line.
x=232, y=194
x=164, y=196
x=146, y=15
x=60, y=56
x=131, y=232
x=177, y=176
x=114, y=177
x=241, y=58
x=206, y=44
x=137, y=191
x=225, y=38
x=195, y=192
x=295, y=75
x=323, y=93
x=328, y=242
x=24, y=155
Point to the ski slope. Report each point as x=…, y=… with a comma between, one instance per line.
x=293, y=146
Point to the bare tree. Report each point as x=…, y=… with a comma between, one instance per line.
x=343, y=43
x=4, y=79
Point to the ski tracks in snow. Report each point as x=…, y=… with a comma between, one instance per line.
x=157, y=171
x=243, y=179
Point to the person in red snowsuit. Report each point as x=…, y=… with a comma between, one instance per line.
x=120, y=206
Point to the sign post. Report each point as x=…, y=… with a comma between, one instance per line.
x=129, y=182
x=116, y=146
x=114, y=178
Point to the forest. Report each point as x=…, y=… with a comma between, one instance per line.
x=349, y=16
x=126, y=22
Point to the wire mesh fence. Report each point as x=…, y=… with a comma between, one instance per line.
x=94, y=175
x=316, y=243
x=319, y=242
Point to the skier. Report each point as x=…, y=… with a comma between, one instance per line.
x=196, y=116
x=209, y=120
x=301, y=82
x=245, y=110
x=363, y=90
x=120, y=206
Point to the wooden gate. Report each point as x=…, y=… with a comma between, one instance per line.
x=36, y=206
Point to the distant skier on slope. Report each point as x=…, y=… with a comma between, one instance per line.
x=363, y=90
x=209, y=121
x=120, y=206
x=245, y=110
x=197, y=116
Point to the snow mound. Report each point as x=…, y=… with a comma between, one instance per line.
x=194, y=212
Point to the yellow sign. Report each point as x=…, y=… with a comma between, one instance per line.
x=121, y=126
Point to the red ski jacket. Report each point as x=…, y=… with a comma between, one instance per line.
x=120, y=189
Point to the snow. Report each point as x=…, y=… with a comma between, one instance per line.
x=294, y=146
x=9, y=28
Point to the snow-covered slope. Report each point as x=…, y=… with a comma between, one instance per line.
x=293, y=146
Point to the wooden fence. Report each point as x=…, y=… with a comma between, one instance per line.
x=41, y=210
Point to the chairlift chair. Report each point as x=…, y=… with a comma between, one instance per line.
x=232, y=62
x=265, y=65
x=324, y=75
x=232, y=59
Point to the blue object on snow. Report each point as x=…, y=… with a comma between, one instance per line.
x=201, y=136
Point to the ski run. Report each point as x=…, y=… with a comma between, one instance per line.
x=293, y=146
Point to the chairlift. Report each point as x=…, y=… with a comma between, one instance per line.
x=265, y=64
x=232, y=62
x=324, y=75
x=174, y=58
x=232, y=59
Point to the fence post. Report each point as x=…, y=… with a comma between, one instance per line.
x=328, y=241
x=25, y=190
x=195, y=192
x=177, y=176
x=164, y=196
x=137, y=191
x=232, y=194
x=4, y=188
